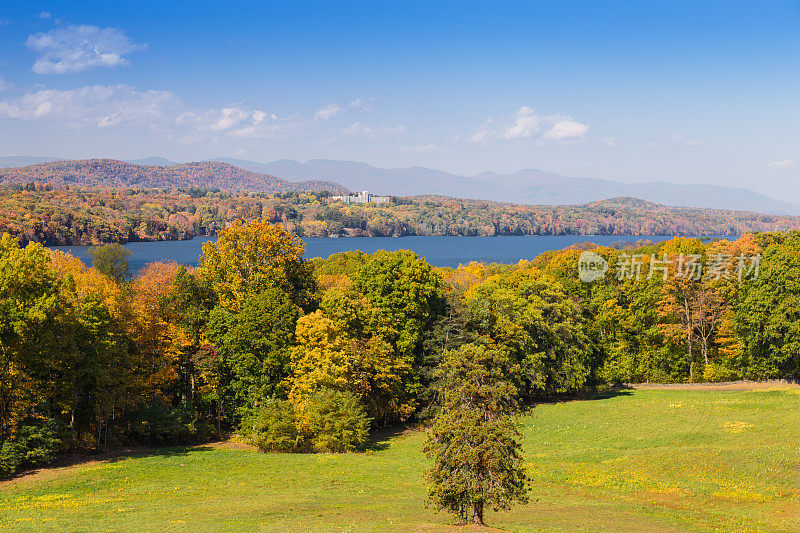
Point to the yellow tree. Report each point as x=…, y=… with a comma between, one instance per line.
x=161, y=341
x=320, y=359
x=249, y=258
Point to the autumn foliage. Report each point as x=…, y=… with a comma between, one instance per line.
x=303, y=355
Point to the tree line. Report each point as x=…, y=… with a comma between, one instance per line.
x=74, y=216
x=305, y=356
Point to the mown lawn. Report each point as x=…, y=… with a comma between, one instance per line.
x=644, y=460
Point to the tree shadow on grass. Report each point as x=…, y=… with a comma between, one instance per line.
x=379, y=439
x=606, y=394
x=621, y=390
x=87, y=458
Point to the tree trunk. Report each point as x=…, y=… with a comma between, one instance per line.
x=705, y=350
x=477, y=513
x=72, y=418
x=691, y=357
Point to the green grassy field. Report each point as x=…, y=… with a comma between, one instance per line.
x=644, y=460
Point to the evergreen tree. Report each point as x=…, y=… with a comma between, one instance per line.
x=474, y=441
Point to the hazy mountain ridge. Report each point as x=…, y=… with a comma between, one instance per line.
x=115, y=173
x=529, y=186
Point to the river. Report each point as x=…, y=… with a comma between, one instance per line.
x=439, y=251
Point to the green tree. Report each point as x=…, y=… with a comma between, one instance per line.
x=408, y=296
x=189, y=304
x=527, y=312
x=254, y=345
x=111, y=260
x=474, y=441
x=30, y=306
x=768, y=314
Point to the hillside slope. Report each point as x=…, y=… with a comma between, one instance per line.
x=81, y=215
x=114, y=173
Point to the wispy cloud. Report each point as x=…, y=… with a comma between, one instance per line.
x=677, y=140
x=44, y=15
x=526, y=124
x=781, y=164
x=372, y=132
x=92, y=106
x=611, y=142
x=238, y=121
x=420, y=149
x=103, y=106
x=330, y=111
x=77, y=48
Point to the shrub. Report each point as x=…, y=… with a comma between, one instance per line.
x=35, y=444
x=271, y=427
x=334, y=421
x=11, y=454
x=716, y=373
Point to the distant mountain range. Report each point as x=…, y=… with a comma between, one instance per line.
x=533, y=187
x=155, y=161
x=113, y=173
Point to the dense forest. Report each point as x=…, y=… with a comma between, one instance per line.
x=299, y=355
x=66, y=215
x=114, y=173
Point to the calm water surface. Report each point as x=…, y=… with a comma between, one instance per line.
x=439, y=251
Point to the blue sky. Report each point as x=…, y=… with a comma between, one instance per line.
x=685, y=92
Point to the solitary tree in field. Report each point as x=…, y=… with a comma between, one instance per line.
x=474, y=442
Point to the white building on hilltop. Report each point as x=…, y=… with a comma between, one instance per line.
x=364, y=197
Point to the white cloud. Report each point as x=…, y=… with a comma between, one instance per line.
x=102, y=106
x=95, y=105
x=44, y=15
x=361, y=104
x=357, y=128
x=611, y=142
x=77, y=48
x=237, y=121
x=363, y=130
x=328, y=112
x=419, y=149
x=485, y=132
x=782, y=164
x=525, y=125
x=565, y=129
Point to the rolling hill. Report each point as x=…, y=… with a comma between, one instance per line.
x=114, y=173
